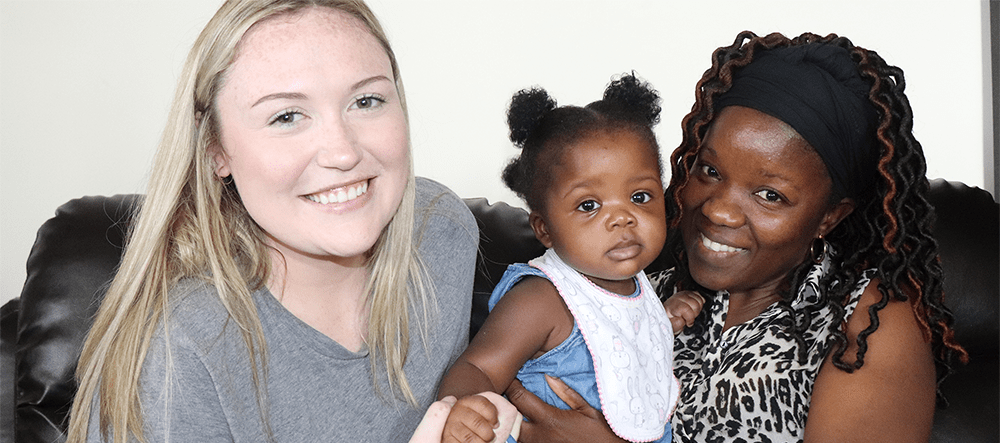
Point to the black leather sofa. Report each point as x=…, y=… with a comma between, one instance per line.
x=76, y=252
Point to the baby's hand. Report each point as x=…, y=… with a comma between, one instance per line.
x=472, y=419
x=682, y=308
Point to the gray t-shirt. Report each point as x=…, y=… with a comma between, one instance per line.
x=317, y=391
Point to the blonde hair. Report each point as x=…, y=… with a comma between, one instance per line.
x=192, y=224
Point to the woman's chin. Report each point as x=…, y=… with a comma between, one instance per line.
x=707, y=279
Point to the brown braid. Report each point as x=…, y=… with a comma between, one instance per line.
x=904, y=255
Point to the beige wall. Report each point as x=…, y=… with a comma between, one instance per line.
x=85, y=84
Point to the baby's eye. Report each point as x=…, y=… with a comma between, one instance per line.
x=641, y=197
x=769, y=195
x=285, y=118
x=368, y=101
x=588, y=206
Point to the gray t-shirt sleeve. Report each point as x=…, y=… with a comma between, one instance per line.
x=447, y=237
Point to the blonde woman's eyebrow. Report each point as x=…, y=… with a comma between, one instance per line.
x=301, y=96
x=369, y=81
x=280, y=96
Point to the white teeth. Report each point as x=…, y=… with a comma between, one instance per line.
x=340, y=195
x=718, y=247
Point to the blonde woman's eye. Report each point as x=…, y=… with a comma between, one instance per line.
x=285, y=118
x=368, y=101
x=641, y=197
x=769, y=195
x=588, y=206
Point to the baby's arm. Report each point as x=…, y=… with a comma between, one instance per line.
x=528, y=321
x=682, y=308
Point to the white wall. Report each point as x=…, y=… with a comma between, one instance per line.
x=85, y=85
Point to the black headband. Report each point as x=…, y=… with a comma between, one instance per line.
x=817, y=90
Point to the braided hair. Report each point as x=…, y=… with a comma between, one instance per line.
x=543, y=130
x=874, y=235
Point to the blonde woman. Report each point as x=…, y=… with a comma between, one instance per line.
x=287, y=277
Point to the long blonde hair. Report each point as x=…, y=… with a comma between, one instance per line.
x=191, y=224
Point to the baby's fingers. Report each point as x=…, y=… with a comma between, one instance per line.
x=676, y=322
x=508, y=417
x=691, y=299
x=479, y=417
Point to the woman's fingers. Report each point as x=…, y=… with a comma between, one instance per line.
x=527, y=403
x=550, y=424
x=571, y=397
x=430, y=427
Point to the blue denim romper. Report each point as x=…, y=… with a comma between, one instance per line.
x=570, y=361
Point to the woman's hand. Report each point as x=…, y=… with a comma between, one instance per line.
x=430, y=428
x=548, y=423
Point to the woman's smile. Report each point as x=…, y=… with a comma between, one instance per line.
x=719, y=247
x=341, y=194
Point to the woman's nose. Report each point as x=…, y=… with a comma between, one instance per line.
x=338, y=147
x=723, y=210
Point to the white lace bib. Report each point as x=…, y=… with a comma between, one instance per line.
x=631, y=342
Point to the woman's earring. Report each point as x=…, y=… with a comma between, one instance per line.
x=817, y=250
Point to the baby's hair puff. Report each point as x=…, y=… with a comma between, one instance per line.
x=527, y=109
x=542, y=130
x=635, y=100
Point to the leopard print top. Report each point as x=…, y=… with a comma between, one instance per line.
x=747, y=384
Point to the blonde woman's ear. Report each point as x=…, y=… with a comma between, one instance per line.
x=221, y=164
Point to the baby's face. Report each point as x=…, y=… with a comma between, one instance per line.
x=604, y=212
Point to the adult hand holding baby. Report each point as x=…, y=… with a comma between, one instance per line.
x=552, y=424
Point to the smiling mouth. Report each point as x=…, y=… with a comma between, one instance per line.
x=340, y=195
x=718, y=247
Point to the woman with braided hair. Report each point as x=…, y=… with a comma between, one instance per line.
x=798, y=194
x=796, y=206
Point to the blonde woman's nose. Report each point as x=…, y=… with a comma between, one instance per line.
x=337, y=147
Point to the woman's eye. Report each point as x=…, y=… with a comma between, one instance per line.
x=285, y=118
x=368, y=101
x=641, y=197
x=708, y=171
x=588, y=206
x=769, y=195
